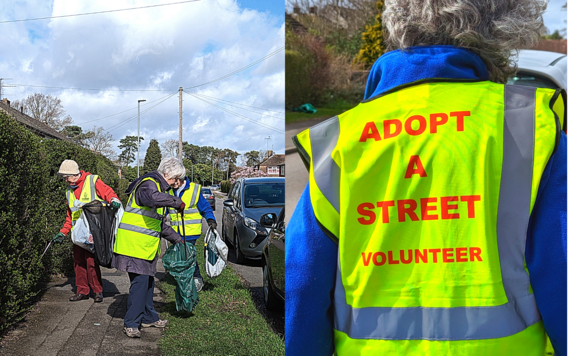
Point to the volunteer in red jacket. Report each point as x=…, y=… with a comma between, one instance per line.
x=85, y=187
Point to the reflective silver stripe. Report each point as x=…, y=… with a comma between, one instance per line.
x=433, y=323
x=324, y=137
x=92, y=185
x=74, y=209
x=195, y=193
x=139, y=229
x=186, y=222
x=150, y=214
x=516, y=187
x=469, y=323
x=190, y=211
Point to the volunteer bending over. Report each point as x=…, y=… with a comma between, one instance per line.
x=196, y=208
x=137, y=246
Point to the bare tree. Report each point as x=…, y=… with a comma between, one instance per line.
x=46, y=109
x=170, y=148
x=326, y=16
x=100, y=141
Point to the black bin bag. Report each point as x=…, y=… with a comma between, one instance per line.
x=102, y=221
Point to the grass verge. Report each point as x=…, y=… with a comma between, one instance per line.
x=225, y=322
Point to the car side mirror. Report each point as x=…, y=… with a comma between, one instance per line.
x=229, y=203
x=268, y=220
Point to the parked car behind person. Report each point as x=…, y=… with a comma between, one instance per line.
x=541, y=69
x=274, y=260
x=209, y=196
x=249, y=198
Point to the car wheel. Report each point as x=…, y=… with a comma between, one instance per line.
x=238, y=254
x=271, y=301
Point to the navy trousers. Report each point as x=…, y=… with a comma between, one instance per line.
x=140, y=308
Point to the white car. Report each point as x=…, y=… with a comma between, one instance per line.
x=540, y=69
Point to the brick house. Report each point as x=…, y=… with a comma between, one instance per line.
x=37, y=127
x=274, y=165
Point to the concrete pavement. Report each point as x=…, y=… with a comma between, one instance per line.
x=59, y=327
x=296, y=173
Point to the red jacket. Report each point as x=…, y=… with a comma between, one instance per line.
x=103, y=191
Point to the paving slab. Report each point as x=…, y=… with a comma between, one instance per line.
x=58, y=327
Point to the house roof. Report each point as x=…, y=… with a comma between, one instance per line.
x=37, y=127
x=275, y=160
x=295, y=25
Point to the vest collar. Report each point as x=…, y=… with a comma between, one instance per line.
x=401, y=67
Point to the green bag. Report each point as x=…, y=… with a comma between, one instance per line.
x=306, y=108
x=181, y=264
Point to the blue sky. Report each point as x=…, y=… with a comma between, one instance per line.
x=554, y=16
x=157, y=50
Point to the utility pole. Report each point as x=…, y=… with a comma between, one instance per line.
x=139, y=137
x=1, y=79
x=180, y=129
x=267, y=142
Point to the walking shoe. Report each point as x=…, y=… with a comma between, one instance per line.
x=199, y=283
x=157, y=324
x=98, y=298
x=132, y=332
x=77, y=297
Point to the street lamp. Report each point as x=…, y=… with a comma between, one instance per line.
x=139, y=137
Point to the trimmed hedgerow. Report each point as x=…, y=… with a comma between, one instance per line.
x=33, y=209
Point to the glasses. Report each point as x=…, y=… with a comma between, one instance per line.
x=64, y=176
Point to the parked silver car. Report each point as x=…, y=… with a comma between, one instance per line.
x=209, y=196
x=249, y=198
x=542, y=69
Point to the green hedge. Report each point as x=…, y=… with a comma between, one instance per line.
x=33, y=209
x=225, y=186
x=297, y=79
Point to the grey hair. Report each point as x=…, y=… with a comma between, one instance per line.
x=494, y=29
x=172, y=167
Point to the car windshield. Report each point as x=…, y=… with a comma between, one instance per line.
x=206, y=191
x=264, y=194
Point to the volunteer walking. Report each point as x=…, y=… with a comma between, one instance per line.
x=137, y=246
x=196, y=207
x=84, y=187
x=434, y=222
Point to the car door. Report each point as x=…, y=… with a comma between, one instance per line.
x=226, y=213
x=276, y=252
x=235, y=210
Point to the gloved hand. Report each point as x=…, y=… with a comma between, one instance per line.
x=181, y=209
x=212, y=223
x=115, y=205
x=58, y=237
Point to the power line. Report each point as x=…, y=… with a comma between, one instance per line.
x=86, y=122
x=240, y=104
x=99, y=12
x=256, y=112
x=116, y=126
x=44, y=86
x=239, y=115
x=242, y=69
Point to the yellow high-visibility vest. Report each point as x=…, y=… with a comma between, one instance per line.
x=88, y=194
x=138, y=234
x=428, y=191
x=192, y=217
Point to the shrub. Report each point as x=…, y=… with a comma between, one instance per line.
x=225, y=186
x=32, y=210
x=23, y=176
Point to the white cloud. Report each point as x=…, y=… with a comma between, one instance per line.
x=161, y=48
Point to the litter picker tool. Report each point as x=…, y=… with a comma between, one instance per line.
x=48, y=245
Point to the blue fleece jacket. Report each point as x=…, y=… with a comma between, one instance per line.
x=311, y=256
x=203, y=207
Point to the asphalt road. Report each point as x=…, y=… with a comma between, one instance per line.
x=252, y=275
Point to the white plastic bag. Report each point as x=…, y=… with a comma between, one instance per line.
x=215, y=253
x=81, y=235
